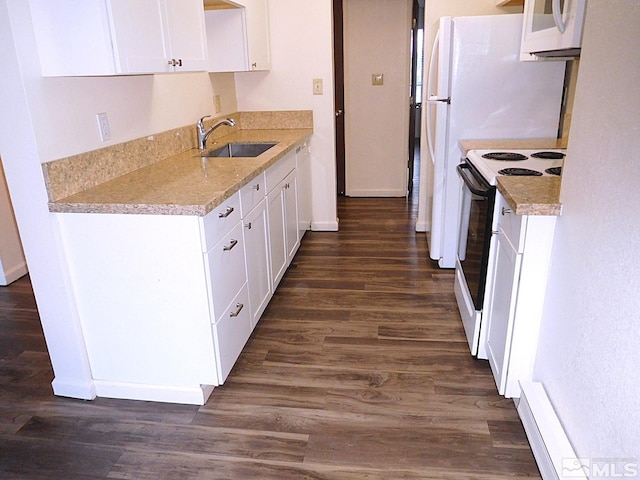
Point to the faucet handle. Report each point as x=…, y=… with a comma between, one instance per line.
x=201, y=121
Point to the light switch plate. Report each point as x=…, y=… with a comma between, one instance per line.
x=317, y=86
x=377, y=79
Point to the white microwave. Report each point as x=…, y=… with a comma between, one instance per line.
x=552, y=29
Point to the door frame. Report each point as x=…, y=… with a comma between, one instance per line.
x=338, y=62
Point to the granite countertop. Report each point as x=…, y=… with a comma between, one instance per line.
x=183, y=184
x=525, y=195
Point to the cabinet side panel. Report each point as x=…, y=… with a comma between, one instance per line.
x=140, y=287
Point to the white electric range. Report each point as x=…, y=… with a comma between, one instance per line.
x=492, y=163
x=478, y=225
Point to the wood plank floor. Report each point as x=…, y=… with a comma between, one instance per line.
x=359, y=369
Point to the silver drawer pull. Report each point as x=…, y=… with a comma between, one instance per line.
x=506, y=211
x=232, y=244
x=248, y=226
x=239, y=307
x=226, y=213
x=256, y=187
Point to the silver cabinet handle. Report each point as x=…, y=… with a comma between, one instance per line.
x=232, y=244
x=248, y=226
x=506, y=211
x=175, y=63
x=239, y=307
x=254, y=65
x=226, y=213
x=256, y=187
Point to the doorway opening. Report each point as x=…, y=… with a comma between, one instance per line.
x=413, y=75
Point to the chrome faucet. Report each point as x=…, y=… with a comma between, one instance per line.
x=203, y=135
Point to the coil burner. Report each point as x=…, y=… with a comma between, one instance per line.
x=519, y=172
x=548, y=155
x=554, y=171
x=505, y=156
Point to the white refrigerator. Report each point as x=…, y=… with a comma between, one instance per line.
x=478, y=89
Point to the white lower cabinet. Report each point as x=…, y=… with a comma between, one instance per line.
x=516, y=295
x=167, y=302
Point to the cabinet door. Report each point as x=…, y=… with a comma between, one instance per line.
x=257, y=257
x=501, y=310
x=277, y=235
x=185, y=35
x=227, y=40
x=290, y=197
x=138, y=36
x=257, y=15
x=226, y=270
x=231, y=333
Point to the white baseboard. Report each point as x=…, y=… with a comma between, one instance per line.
x=13, y=274
x=324, y=226
x=154, y=393
x=81, y=390
x=554, y=454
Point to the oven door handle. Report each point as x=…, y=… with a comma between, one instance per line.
x=476, y=186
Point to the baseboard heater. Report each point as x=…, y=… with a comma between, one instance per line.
x=554, y=454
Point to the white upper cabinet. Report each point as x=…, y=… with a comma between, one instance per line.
x=119, y=37
x=238, y=36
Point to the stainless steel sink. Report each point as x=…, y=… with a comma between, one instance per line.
x=240, y=150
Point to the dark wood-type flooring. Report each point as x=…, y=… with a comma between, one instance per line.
x=359, y=369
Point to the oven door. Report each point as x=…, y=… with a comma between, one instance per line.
x=474, y=242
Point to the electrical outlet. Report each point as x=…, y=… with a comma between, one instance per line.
x=103, y=126
x=377, y=79
x=317, y=86
x=217, y=104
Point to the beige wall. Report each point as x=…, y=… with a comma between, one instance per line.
x=12, y=262
x=301, y=42
x=588, y=355
x=377, y=40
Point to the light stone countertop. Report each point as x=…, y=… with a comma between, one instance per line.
x=184, y=184
x=525, y=195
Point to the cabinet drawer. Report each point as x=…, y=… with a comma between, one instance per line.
x=231, y=333
x=276, y=172
x=252, y=193
x=226, y=270
x=220, y=221
x=511, y=224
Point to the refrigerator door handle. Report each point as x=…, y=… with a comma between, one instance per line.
x=430, y=75
x=434, y=99
x=557, y=16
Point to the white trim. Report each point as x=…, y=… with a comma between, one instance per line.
x=549, y=443
x=154, y=393
x=13, y=274
x=324, y=226
x=74, y=389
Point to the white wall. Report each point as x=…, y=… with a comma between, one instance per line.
x=377, y=41
x=433, y=11
x=589, y=349
x=301, y=50
x=12, y=262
